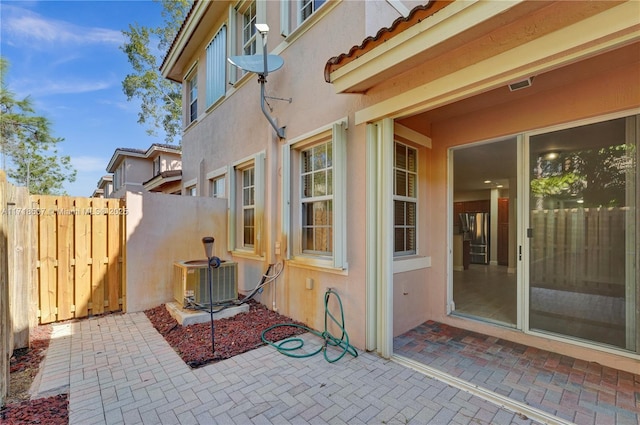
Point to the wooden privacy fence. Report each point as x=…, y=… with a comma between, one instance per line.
x=80, y=259
x=580, y=250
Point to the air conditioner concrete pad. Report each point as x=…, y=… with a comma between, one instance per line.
x=189, y=317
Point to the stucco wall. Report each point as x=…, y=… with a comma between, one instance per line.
x=162, y=229
x=236, y=129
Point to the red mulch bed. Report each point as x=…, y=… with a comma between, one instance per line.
x=50, y=411
x=23, y=367
x=234, y=335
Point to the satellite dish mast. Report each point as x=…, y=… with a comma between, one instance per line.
x=261, y=65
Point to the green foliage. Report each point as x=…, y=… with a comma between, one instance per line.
x=26, y=141
x=597, y=176
x=161, y=99
x=554, y=185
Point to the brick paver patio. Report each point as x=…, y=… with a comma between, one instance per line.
x=575, y=390
x=118, y=369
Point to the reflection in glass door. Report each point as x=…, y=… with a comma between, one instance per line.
x=582, y=233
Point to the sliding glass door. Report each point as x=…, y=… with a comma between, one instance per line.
x=581, y=236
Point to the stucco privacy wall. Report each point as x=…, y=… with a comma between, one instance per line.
x=162, y=229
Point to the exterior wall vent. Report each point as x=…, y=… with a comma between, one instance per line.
x=523, y=84
x=190, y=281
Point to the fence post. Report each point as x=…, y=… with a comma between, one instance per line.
x=5, y=324
x=19, y=261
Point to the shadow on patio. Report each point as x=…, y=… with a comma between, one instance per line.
x=574, y=390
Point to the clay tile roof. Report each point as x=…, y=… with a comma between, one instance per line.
x=417, y=15
x=131, y=150
x=175, y=38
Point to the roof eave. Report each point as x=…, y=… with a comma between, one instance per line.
x=169, y=68
x=367, y=67
x=117, y=157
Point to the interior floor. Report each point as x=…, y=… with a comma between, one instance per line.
x=486, y=291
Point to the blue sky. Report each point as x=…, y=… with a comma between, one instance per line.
x=66, y=56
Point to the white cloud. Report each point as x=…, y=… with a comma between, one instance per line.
x=21, y=26
x=87, y=163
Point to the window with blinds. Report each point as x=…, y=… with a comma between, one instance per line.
x=316, y=176
x=216, y=66
x=405, y=200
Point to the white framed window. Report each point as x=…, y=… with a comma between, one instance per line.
x=405, y=199
x=192, y=87
x=316, y=199
x=217, y=187
x=216, y=66
x=243, y=38
x=307, y=7
x=246, y=200
x=249, y=43
x=295, y=12
x=314, y=196
x=248, y=207
x=156, y=166
x=191, y=187
x=218, y=183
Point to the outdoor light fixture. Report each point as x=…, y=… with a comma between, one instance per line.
x=207, y=241
x=213, y=263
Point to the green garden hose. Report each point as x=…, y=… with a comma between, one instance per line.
x=289, y=345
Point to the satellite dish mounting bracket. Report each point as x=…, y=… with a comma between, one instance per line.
x=269, y=63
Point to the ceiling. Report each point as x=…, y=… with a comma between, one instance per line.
x=495, y=162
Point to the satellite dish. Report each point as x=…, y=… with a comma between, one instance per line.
x=255, y=63
x=262, y=65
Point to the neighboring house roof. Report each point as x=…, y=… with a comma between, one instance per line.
x=416, y=15
x=97, y=193
x=121, y=153
x=163, y=178
x=108, y=178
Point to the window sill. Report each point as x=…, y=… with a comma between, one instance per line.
x=402, y=265
x=249, y=255
x=318, y=265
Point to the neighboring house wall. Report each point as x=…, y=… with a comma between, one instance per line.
x=132, y=169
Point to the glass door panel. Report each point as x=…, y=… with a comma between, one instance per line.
x=484, y=231
x=582, y=235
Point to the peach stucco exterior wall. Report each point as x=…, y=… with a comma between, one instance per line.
x=162, y=229
x=239, y=125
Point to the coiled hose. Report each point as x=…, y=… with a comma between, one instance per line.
x=289, y=345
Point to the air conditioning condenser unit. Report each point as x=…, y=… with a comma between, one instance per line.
x=190, y=282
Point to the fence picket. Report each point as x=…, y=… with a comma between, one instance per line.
x=64, y=255
x=99, y=253
x=47, y=257
x=114, y=218
x=82, y=256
